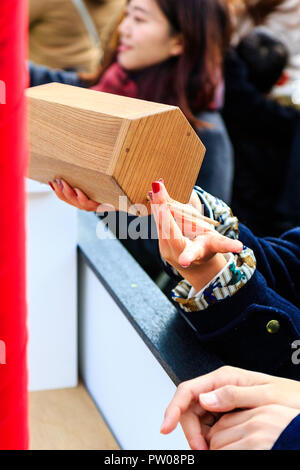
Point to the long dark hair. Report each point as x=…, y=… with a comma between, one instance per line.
x=261, y=10
x=190, y=79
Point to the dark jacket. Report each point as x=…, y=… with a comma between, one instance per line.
x=289, y=439
x=40, y=75
x=262, y=133
x=236, y=328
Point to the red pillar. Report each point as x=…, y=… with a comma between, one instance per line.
x=13, y=163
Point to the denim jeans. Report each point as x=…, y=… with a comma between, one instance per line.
x=216, y=174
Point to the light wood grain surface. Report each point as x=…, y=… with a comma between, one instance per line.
x=109, y=145
x=91, y=100
x=159, y=146
x=67, y=419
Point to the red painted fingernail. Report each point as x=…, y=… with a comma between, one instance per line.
x=50, y=184
x=75, y=192
x=156, y=187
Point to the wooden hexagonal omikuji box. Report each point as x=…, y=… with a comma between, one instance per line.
x=109, y=145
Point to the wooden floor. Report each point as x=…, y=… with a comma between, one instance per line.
x=67, y=419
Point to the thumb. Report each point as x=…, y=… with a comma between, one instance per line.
x=231, y=397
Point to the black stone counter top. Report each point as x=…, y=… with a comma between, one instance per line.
x=168, y=336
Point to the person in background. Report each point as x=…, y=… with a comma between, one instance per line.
x=236, y=409
x=264, y=135
x=72, y=34
x=265, y=57
x=280, y=17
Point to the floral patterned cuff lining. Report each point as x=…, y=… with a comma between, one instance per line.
x=218, y=210
x=237, y=272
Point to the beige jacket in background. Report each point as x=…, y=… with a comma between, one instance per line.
x=58, y=37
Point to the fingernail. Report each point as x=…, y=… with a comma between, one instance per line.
x=156, y=187
x=240, y=248
x=75, y=192
x=150, y=195
x=186, y=264
x=165, y=423
x=209, y=399
x=59, y=182
x=187, y=255
x=50, y=184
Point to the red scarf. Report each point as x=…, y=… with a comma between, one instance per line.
x=117, y=81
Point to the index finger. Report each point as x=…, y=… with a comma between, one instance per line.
x=167, y=228
x=189, y=391
x=191, y=427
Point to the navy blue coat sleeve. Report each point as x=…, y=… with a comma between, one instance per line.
x=236, y=327
x=278, y=260
x=289, y=439
x=40, y=75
